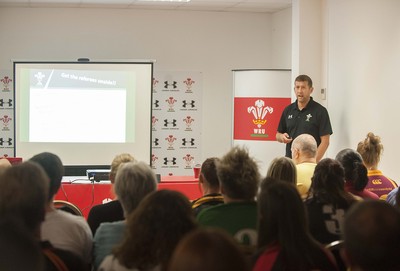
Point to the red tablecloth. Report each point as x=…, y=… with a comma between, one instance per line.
x=86, y=194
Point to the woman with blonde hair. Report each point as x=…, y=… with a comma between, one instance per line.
x=371, y=149
x=110, y=211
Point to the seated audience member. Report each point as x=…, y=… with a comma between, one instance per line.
x=152, y=232
x=134, y=181
x=62, y=229
x=24, y=192
x=282, y=169
x=304, y=155
x=327, y=201
x=239, y=178
x=371, y=149
x=355, y=174
x=372, y=237
x=110, y=211
x=284, y=240
x=209, y=185
x=208, y=249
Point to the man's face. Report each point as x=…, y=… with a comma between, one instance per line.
x=303, y=91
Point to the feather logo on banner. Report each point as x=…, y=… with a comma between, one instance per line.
x=259, y=112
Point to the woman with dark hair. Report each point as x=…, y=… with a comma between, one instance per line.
x=208, y=249
x=152, y=232
x=284, y=240
x=327, y=201
x=355, y=173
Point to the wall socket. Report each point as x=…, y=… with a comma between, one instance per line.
x=323, y=93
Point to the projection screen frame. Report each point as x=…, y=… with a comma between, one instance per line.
x=79, y=168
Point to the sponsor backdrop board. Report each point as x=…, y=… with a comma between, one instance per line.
x=259, y=99
x=177, y=122
x=6, y=114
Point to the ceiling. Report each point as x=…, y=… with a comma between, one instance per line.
x=262, y=6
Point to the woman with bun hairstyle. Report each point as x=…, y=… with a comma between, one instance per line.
x=371, y=149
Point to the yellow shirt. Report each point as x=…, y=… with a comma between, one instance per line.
x=304, y=173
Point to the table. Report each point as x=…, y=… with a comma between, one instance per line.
x=85, y=194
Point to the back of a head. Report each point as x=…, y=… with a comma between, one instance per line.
x=282, y=216
x=370, y=149
x=154, y=229
x=372, y=236
x=23, y=193
x=54, y=169
x=328, y=181
x=166, y=211
x=306, y=145
x=238, y=174
x=117, y=161
x=283, y=169
x=209, y=171
x=134, y=180
x=208, y=249
x=354, y=168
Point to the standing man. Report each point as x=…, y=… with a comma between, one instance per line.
x=304, y=116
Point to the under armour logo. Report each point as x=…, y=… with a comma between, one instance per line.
x=172, y=84
x=186, y=103
x=9, y=141
x=290, y=117
x=155, y=142
x=309, y=116
x=169, y=161
x=4, y=101
x=167, y=123
x=187, y=141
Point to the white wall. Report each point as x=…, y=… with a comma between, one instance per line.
x=281, y=40
x=363, y=75
x=212, y=43
x=307, y=43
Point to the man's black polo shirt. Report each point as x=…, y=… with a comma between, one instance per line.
x=313, y=120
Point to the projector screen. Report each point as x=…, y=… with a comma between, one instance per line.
x=85, y=112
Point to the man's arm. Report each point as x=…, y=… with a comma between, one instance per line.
x=322, y=147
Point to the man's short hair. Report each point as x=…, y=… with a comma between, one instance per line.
x=304, y=78
x=134, y=180
x=238, y=174
x=372, y=236
x=306, y=144
x=209, y=172
x=54, y=169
